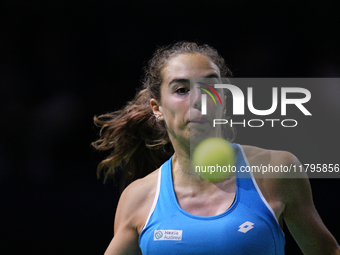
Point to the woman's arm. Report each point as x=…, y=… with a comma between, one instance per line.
x=131, y=214
x=125, y=240
x=301, y=217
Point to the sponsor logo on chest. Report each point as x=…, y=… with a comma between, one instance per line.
x=167, y=235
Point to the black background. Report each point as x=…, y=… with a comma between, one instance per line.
x=62, y=62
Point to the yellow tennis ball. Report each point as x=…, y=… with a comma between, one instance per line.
x=213, y=159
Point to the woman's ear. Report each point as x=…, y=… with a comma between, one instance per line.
x=157, y=109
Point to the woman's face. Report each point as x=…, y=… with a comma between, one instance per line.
x=180, y=105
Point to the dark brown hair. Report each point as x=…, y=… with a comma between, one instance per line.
x=138, y=143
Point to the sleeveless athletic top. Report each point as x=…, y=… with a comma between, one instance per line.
x=248, y=227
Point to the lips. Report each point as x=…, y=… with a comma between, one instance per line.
x=198, y=120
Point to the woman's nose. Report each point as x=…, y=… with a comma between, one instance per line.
x=196, y=98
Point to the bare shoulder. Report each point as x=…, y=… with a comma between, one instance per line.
x=276, y=156
x=276, y=183
x=274, y=166
x=284, y=161
x=136, y=200
x=141, y=188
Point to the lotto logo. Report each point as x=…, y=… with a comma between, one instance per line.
x=245, y=227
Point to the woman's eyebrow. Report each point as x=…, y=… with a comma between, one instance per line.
x=184, y=80
x=179, y=80
x=213, y=75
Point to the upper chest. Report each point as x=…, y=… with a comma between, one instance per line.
x=213, y=200
x=219, y=198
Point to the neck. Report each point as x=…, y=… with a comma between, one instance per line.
x=191, y=182
x=181, y=160
x=184, y=171
x=181, y=168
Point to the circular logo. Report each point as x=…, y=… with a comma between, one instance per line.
x=158, y=234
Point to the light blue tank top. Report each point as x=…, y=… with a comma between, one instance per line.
x=248, y=227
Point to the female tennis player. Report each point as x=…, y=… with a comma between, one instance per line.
x=169, y=209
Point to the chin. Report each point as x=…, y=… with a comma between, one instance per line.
x=196, y=136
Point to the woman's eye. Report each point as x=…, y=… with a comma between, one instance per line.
x=182, y=91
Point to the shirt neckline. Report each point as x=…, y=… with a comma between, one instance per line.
x=174, y=198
